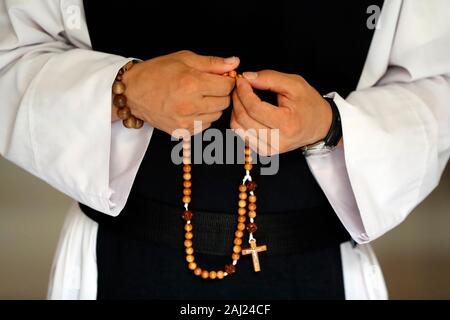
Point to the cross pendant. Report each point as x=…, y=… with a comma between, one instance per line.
x=253, y=250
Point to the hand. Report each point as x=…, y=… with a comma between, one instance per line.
x=172, y=91
x=303, y=116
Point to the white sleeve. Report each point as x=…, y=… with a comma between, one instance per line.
x=397, y=133
x=56, y=105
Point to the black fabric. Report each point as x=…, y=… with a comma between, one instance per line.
x=324, y=41
x=133, y=269
x=159, y=223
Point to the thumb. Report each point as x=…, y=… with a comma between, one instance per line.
x=213, y=64
x=274, y=81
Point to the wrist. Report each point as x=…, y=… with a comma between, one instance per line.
x=333, y=137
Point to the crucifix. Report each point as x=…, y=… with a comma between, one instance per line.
x=253, y=250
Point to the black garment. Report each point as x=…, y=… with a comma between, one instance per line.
x=326, y=42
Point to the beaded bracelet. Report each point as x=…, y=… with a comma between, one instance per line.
x=120, y=100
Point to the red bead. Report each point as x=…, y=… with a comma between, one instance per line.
x=230, y=269
x=187, y=215
x=251, y=186
x=252, y=227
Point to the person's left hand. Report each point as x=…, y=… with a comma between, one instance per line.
x=303, y=116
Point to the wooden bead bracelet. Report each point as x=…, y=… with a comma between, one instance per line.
x=120, y=100
x=246, y=206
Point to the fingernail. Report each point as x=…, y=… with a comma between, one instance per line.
x=250, y=75
x=230, y=60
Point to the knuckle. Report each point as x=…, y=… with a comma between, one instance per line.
x=188, y=82
x=185, y=53
x=212, y=60
x=184, y=109
x=251, y=110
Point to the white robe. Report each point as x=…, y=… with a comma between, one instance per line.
x=55, y=123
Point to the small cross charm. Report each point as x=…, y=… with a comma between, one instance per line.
x=253, y=250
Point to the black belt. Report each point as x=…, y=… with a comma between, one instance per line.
x=283, y=233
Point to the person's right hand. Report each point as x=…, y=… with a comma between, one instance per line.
x=172, y=91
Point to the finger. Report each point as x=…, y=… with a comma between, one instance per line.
x=261, y=111
x=210, y=64
x=282, y=83
x=213, y=104
x=241, y=116
x=254, y=142
x=216, y=85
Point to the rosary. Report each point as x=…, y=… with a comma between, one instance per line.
x=246, y=206
x=247, y=198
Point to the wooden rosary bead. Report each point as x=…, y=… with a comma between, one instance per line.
x=242, y=211
x=198, y=271
x=242, y=203
x=242, y=188
x=252, y=214
x=252, y=199
x=238, y=234
x=247, y=151
x=243, y=195
x=188, y=243
x=187, y=184
x=188, y=227
x=220, y=274
x=241, y=226
x=187, y=168
x=139, y=123
x=187, y=215
x=120, y=100
x=190, y=258
x=251, y=186
x=235, y=256
x=186, y=145
x=237, y=249
x=237, y=241
x=252, y=207
x=186, y=199
x=187, y=191
x=252, y=227
x=232, y=74
x=205, y=274
x=192, y=266
x=189, y=250
x=241, y=219
x=187, y=176
x=118, y=87
x=186, y=160
x=124, y=113
x=248, y=166
x=189, y=235
x=187, y=154
x=130, y=122
x=212, y=275
x=230, y=269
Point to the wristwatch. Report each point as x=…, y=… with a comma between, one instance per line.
x=333, y=136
